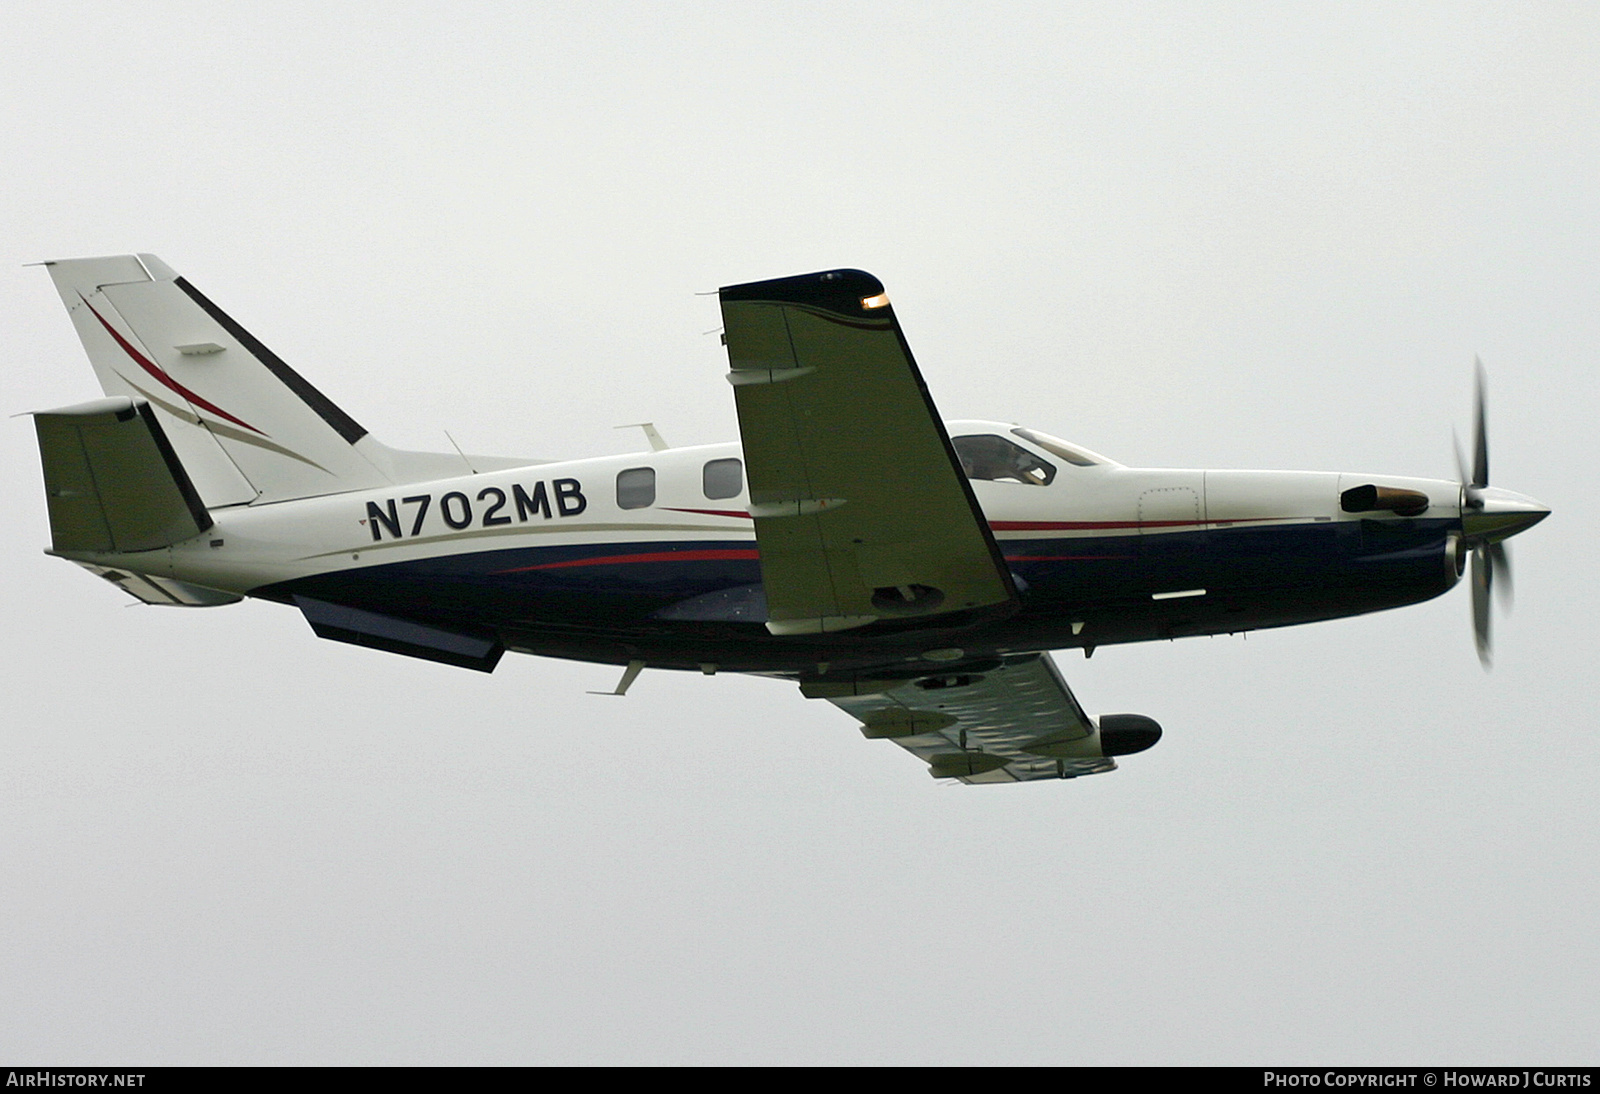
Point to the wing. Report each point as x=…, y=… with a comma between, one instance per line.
x=861, y=510
x=1013, y=722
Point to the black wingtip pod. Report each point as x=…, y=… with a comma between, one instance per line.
x=1125, y=734
x=844, y=292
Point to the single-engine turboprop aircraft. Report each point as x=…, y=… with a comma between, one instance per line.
x=911, y=571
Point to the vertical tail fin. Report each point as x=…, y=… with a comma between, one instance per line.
x=245, y=425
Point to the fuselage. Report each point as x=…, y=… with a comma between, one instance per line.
x=910, y=572
x=652, y=556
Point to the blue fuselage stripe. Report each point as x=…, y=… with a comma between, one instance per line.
x=1253, y=576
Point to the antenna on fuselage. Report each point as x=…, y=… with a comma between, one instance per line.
x=629, y=675
x=651, y=434
x=460, y=453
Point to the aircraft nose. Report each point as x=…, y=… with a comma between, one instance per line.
x=1489, y=514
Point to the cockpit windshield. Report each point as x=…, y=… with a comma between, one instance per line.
x=1079, y=457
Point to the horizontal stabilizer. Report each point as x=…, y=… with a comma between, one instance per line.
x=479, y=650
x=162, y=591
x=112, y=480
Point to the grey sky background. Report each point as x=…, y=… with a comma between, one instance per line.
x=1224, y=235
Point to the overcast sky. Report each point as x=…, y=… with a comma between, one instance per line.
x=1204, y=235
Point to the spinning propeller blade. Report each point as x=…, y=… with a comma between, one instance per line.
x=1488, y=518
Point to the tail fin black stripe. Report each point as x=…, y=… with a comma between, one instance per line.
x=175, y=468
x=342, y=423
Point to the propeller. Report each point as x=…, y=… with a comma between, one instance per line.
x=1488, y=518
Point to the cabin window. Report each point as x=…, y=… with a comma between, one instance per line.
x=991, y=458
x=723, y=478
x=636, y=488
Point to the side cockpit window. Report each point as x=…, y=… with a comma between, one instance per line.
x=636, y=488
x=992, y=458
x=723, y=479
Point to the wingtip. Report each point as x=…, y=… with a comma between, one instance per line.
x=842, y=291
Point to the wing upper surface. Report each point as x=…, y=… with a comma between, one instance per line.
x=861, y=510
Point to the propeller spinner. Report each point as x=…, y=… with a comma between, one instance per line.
x=1489, y=517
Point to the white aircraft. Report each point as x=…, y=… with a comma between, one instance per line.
x=911, y=571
